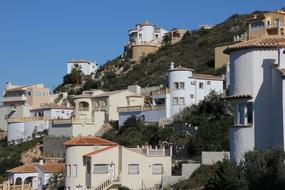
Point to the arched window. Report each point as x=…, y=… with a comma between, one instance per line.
x=83, y=106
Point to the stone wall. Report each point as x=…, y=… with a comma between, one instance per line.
x=53, y=146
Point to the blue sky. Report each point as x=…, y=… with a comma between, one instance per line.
x=37, y=37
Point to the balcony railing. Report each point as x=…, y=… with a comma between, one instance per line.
x=24, y=119
x=274, y=25
x=140, y=108
x=71, y=121
x=14, y=98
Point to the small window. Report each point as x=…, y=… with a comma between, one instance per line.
x=201, y=85
x=157, y=169
x=68, y=170
x=175, y=85
x=175, y=101
x=193, y=82
x=74, y=170
x=249, y=112
x=208, y=82
x=133, y=169
x=191, y=96
x=100, y=168
x=181, y=85
x=181, y=101
x=88, y=167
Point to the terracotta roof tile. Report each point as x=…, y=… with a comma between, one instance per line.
x=89, y=140
x=239, y=96
x=266, y=42
x=53, y=167
x=99, y=150
x=204, y=76
x=31, y=168
x=27, y=168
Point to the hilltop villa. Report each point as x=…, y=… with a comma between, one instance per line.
x=185, y=88
x=86, y=67
x=95, y=163
x=257, y=70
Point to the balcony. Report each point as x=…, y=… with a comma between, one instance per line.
x=24, y=119
x=71, y=121
x=276, y=25
x=14, y=98
x=140, y=108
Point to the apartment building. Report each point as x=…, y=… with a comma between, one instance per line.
x=19, y=99
x=266, y=24
x=257, y=90
x=95, y=163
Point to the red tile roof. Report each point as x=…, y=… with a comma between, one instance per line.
x=27, y=168
x=99, y=150
x=31, y=168
x=89, y=140
x=209, y=77
x=266, y=42
x=53, y=167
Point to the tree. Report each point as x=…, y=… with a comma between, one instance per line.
x=56, y=181
x=74, y=77
x=211, y=118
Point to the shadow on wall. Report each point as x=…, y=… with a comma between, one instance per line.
x=262, y=105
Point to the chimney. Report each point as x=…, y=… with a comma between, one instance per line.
x=41, y=162
x=171, y=65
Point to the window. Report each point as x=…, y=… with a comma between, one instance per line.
x=249, y=112
x=74, y=170
x=157, y=169
x=243, y=113
x=193, y=82
x=208, y=82
x=181, y=101
x=191, y=96
x=178, y=85
x=100, y=168
x=201, y=85
x=257, y=24
x=29, y=93
x=68, y=170
x=175, y=101
x=88, y=167
x=175, y=85
x=133, y=169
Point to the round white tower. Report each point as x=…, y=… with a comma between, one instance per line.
x=147, y=32
x=15, y=131
x=179, y=87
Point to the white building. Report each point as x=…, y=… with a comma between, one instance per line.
x=32, y=176
x=185, y=88
x=257, y=70
x=86, y=67
x=95, y=163
x=146, y=33
x=26, y=128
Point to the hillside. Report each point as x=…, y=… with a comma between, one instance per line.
x=196, y=51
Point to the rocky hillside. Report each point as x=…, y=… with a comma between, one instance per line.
x=196, y=51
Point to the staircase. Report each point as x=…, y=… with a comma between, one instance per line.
x=107, y=184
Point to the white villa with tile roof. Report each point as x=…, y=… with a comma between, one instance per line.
x=257, y=86
x=35, y=175
x=95, y=163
